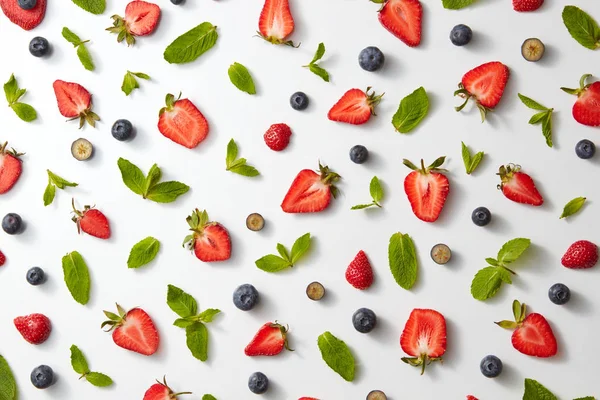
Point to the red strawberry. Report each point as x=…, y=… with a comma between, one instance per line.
x=133, y=330
x=270, y=340
x=355, y=107
x=402, y=18
x=533, y=335
x=140, y=19
x=308, y=398
x=580, y=255
x=182, y=122
x=424, y=338
x=311, y=191
x=359, y=273
x=427, y=189
x=518, y=186
x=2, y=258
x=276, y=22
x=10, y=168
x=527, y=5
x=161, y=391
x=485, y=84
x=277, y=137
x=91, y=221
x=75, y=102
x=26, y=19
x=210, y=240
x=470, y=397
x=34, y=328
x=586, y=109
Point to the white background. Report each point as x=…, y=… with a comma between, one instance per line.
x=345, y=27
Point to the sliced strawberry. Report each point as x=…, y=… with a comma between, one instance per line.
x=355, y=107
x=424, y=338
x=91, y=221
x=470, y=397
x=526, y=5
x=359, y=273
x=182, y=122
x=518, y=186
x=2, y=258
x=586, y=109
x=276, y=22
x=74, y=102
x=34, y=328
x=10, y=168
x=311, y=191
x=270, y=340
x=26, y=19
x=210, y=240
x=427, y=189
x=161, y=391
x=140, y=19
x=485, y=84
x=402, y=18
x=133, y=330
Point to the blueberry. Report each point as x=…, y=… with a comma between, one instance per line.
x=461, y=35
x=39, y=46
x=245, y=297
x=491, y=366
x=177, y=2
x=42, y=377
x=371, y=58
x=36, y=276
x=359, y=154
x=481, y=216
x=12, y=223
x=364, y=320
x=27, y=4
x=299, y=101
x=258, y=383
x=122, y=129
x=559, y=294
x=585, y=149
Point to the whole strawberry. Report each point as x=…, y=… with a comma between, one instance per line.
x=209, y=240
x=359, y=273
x=277, y=137
x=270, y=340
x=132, y=330
x=74, y=102
x=355, y=107
x=518, y=186
x=527, y=5
x=140, y=19
x=586, y=109
x=161, y=391
x=35, y=328
x=10, y=168
x=91, y=221
x=580, y=255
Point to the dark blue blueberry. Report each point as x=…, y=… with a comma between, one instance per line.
x=122, y=129
x=585, y=149
x=36, y=276
x=42, y=377
x=491, y=366
x=481, y=216
x=258, y=383
x=559, y=294
x=39, y=46
x=245, y=297
x=359, y=154
x=27, y=4
x=371, y=58
x=299, y=101
x=177, y=2
x=461, y=35
x=364, y=320
x=12, y=223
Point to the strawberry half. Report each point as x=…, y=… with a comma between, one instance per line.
x=276, y=22
x=359, y=273
x=2, y=258
x=586, y=109
x=402, y=18
x=74, y=102
x=526, y=5
x=26, y=19
x=91, y=221
x=34, y=328
x=182, y=122
x=532, y=334
x=518, y=186
x=210, y=240
x=311, y=191
x=582, y=254
x=132, y=330
x=162, y=391
x=10, y=168
x=427, y=189
x=470, y=397
x=485, y=84
x=270, y=340
x=355, y=107
x=424, y=338
x=140, y=19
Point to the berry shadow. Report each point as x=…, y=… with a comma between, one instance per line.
x=275, y=391
x=579, y=304
x=392, y=67
x=509, y=376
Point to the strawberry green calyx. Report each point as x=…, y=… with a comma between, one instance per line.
x=464, y=93
x=197, y=222
x=519, y=312
x=422, y=361
x=121, y=28
x=328, y=178
x=172, y=395
x=435, y=166
x=373, y=99
x=506, y=172
x=275, y=40
x=114, y=320
x=582, y=86
x=4, y=150
x=170, y=101
x=284, y=330
x=88, y=116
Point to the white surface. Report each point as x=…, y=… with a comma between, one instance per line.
x=345, y=27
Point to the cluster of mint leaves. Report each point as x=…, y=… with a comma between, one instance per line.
x=55, y=181
x=82, y=52
x=238, y=165
x=471, y=161
x=543, y=117
x=285, y=259
x=149, y=186
x=13, y=94
x=80, y=365
x=130, y=83
x=314, y=67
x=376, y=192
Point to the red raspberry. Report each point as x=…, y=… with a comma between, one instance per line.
x=277, y=137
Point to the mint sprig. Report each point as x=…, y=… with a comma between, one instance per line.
x=192, y=44
x=274, y=263
x=582, y=27
x=411, y=111
x=13, y=94
x=471, y=162
x=77, y=277
x=55, y=181
x=149, y=186
x=82, y=52
x=238, y=165
x=8, y=385
x=80, y=365
x=376, y=194
x=143, y=252
x=314, y=67
x=544, y=117
x=130, y=83
x=337, y=355
x=241, y=78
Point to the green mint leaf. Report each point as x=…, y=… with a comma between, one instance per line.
x=319, y=53
x=85, y=57
x=192, y=44
x=492, y=261
x=315, y=69
x=487, y=282
x=24, y=111
x=133, y=177
x=241, y=78
x=572, y=207
x=272, y=263
x=167, y=192
x=411, y=111
x=61, y=183
x=11, y=90
x=518, y=310
x=143, y=252
x=403, y=260
x=300, y=247
x=582, y=27
x=245, y=170
x=363, y=206
x=71, y=37
x=475, y=162
x=586, y=398
x=49, y=194
x=376, y=190
x=547, y=128
x=93, y=6
x=197, y=340
x=466, y=156
x=211, y=397
x=183, y=323
x=182, y=303
x=8, y=385
x=77, y=277
x=129, y=83
x=537, y=118
x=141, y=75
x=512, y=250
x=531, y=103
x=536, y=391
x=78, y=361
x=238, y=166
x=98, y=379
x=153, y=177
x=208, y=315
x=456, y=4
x=232, y=152
x=283, y=252
x=337, y=355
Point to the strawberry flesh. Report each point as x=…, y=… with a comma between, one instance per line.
x=402, y=18
x=158, y=391
x=355, y=107
x=213, y=244
x=270, y=340
x=10, y=169
x=34, y=328
x=486, y=83
x=359, y=273
x=276, y=22
x=74, y=102
x=26, y=19
x=534, y=337
x=427, y=190
x=424, y=337
x=310, y=191
x=183, y=123
x=136, y=332
x=94, y=223
x=141, y=17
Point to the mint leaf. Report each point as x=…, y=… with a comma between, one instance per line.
x=78, y=361
x=133, y=177
x=245, y=170
x=143, y=252
x=512, y=250
x=456, y=4
x=93, y=6
x=363, y=206
x=61, y=183
x=181, y=302
x=152, y=178
x=8, y=385
x=319, y=53
x=77, y=277
x=586, y=398
x=98, y=379
x=536, y=391
x=208, y=315
x=85, y=57
x=413, y=108
x=130, y=83
x=545, y=117
x=192, y=44
x=71, y=37
x=487, y=282
x=197, y=340
x=376, y=190
x=547, y=127
x=211, y=397
x=147, y=187
x=337, y=355
x=471, y=163
x=283, y=252
x=572, y=207
x=49, y=194
x=238, y=165
x=241, y=78
x=24, y=111
x=582, y=27
x=403, y=260
x=492, y=261
x=272, y=263
x=534, y=105
x=183, y=323
x=300, y=247
x=12, y=92
x=167, y=192
x=317, y=70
